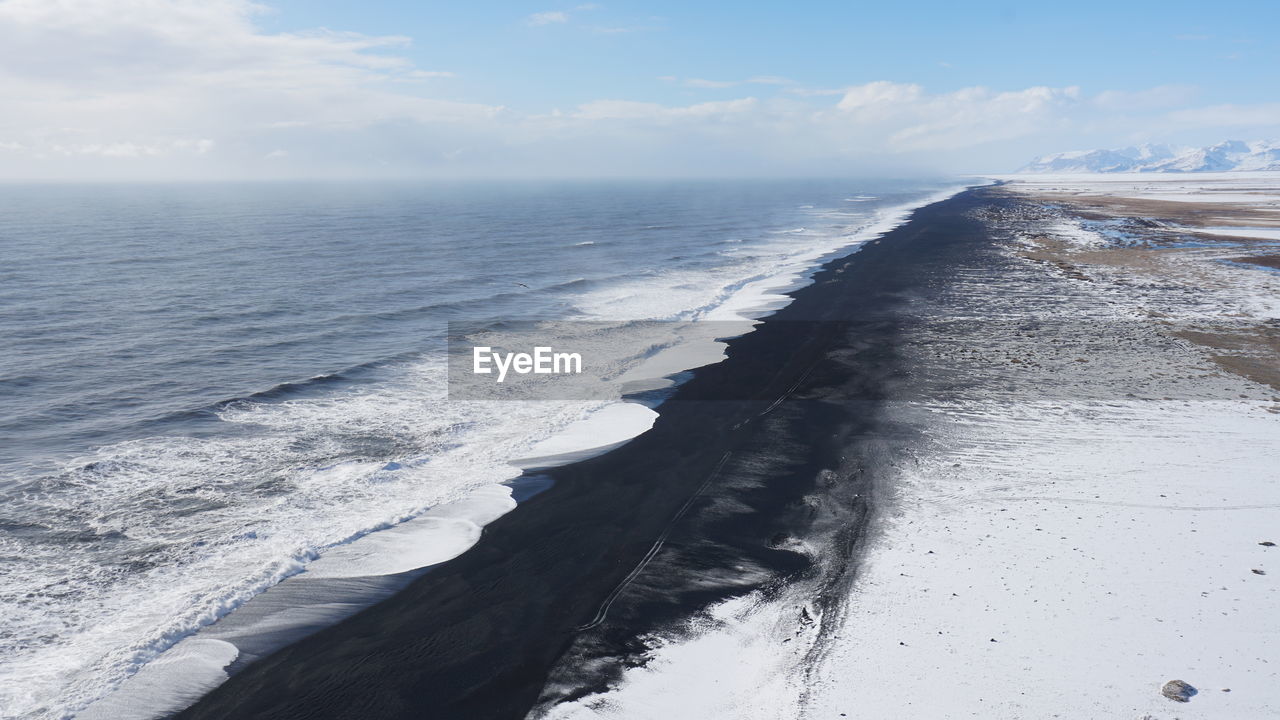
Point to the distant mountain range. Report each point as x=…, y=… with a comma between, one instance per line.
x=1229, y=156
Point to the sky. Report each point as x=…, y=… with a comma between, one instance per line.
x=339, y=89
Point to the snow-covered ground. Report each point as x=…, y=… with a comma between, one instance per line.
x=1230, y=187
x=1085, y=519
x=1068, y=560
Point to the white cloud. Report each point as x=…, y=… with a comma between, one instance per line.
x=1262, y=116
x=162, y=80
x=134, y=150
x=548, y=18
x=700, y=83
x=890, y=124
x=655, y=112
x=1156, y=98
x=561, y=17
x=879, y=96
x=914, y=120
x=815, y=92
x=194, y=88
x=717, y=84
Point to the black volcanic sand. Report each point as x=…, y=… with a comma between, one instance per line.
x=780, y=442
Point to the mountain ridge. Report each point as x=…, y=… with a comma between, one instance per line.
x=1227, y=156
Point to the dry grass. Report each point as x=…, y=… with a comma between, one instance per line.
x=1248, y=349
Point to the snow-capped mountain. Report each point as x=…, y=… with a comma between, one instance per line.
x=1229, y=156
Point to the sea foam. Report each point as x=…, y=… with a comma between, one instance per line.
x=306, y=506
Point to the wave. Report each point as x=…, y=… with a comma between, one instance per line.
x=364, y=476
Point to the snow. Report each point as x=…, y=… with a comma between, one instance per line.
x=1258, y=189
x=1250, y=232
x=1232, y=155
x=1075, y=561
x=1063, y=543
x=1077, y=235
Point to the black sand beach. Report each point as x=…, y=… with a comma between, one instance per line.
x=779, y=444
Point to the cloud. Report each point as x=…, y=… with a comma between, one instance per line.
x=914, y=120
x=879, y=97
x=1156, y=98
x=655, y=112
x=900, y=125
x=134, y=150
x=561, y=17
x=548, y=18
x=167, y=81
x=196, y=89
x=815, y=92
x=718, y=84
x=1264, y=115
x=700, y=83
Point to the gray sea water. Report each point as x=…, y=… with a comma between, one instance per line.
x=206, y=388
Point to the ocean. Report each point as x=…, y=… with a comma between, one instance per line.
x=211, y=389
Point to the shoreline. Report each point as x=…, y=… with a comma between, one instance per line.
x=1015, y=448
x=1080, y=514
x=487, y=626
x=369, y=566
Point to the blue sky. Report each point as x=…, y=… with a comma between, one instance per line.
x=210, y=89
x=622, y=48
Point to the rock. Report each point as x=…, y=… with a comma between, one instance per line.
x=1178, y=691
